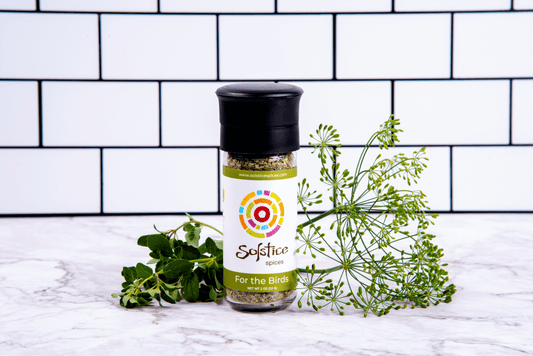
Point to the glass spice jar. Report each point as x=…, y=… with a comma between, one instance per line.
x=259, y=139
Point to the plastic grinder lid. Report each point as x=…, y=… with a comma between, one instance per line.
x=259, y=90
x=259, y=118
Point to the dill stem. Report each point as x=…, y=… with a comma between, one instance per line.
x=326, y=270
x=319, y=217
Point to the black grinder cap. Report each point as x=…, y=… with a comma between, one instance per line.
x=259, y=118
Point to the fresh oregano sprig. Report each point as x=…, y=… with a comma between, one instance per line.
x=383, y=256
x=183, y=269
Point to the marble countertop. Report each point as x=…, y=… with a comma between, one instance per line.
x=57, y=274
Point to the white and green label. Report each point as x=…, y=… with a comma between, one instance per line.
x=259, y=230
x=258, y=175
x=255, y=282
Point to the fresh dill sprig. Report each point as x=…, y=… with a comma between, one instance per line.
x=381, y=262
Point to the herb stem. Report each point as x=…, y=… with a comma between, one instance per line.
x=200, y=260
x=138, y=288
x=195, y=222
x=319, y=217
x=321, y=271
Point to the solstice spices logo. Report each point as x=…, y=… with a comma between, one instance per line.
x=261, y=213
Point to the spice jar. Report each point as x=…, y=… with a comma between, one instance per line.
x=259, y=138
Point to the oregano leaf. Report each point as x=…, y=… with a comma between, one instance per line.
x=211, y=246
x=159, y=243
x=177, y=268
x=213, y=294
x=191, y=287
x=143, y=271
x=129, y=274
x=219, y=243
x=167, y=298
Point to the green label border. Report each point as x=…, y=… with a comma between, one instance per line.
x=259, y=175
x=260, y=282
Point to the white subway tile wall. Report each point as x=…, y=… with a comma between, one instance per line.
x=492, y=178
x=355, y=108
x=334, y=6
x=100, y=114
x=100, y=5
x=522, y=130
x=160, y=180
x=220, y=6
x=19, y=113
x=451, y=112
x=188, y=111
x=159, y=47
x=48, y=46
x=452, y=5
x=393, y=46
x=109, y=107
x=493, y=45
x=523, y=4
x=17, y=5
x=276, y=47
x=49, y=181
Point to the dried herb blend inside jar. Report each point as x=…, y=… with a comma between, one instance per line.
x=259, y=138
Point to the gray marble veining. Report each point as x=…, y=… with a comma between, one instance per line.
x=57, y=274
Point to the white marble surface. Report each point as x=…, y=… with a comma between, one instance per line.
x=57, y=274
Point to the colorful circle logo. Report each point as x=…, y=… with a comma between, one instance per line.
x=261, y=213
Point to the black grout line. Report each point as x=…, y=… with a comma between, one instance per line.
x=101, y=180
x=255, y=80
x=302, y=146
x=275, y=6
x=334, y=172
x=334, y=47
x=451, y=178
x=160, y=118
x=436, y=145
x=451, y=47
x=393, y=6
x=116, y=147
x=69, y=215
x=218, y=48
x=512, y=5
x=203, y=213
x=100, y=46
x=40, y=108
x=270, y=13
x=158, y=6
x=510, y=112
x=392, y=99
x=37, y=5
x=392, y=96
